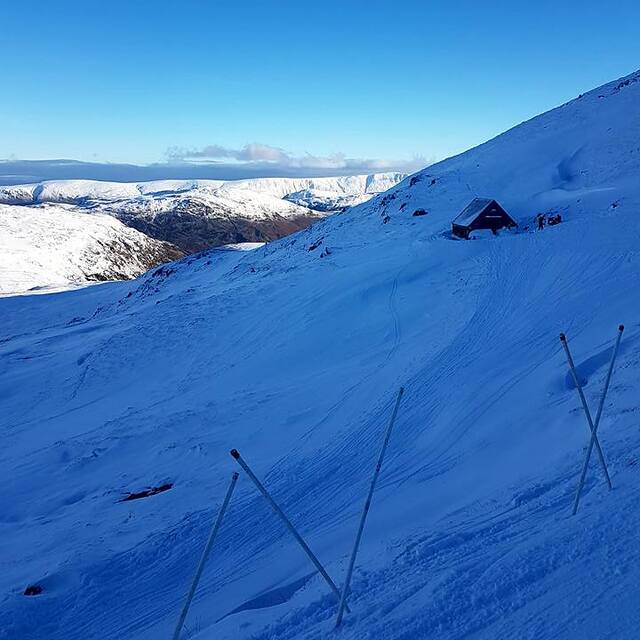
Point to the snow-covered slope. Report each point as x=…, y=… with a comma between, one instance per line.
x=579, y=158
x=202, y=218
x=293, y=354
x=198, y=214
x=50, y=246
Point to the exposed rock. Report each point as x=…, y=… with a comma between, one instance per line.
x=33, y=590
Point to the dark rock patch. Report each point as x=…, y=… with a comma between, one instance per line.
x=33, y=590
x=136, y=495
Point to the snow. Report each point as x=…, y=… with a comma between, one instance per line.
x=193, y=214
x=53, y=247
x=344, y=185
x=295, y=359
x=83, y=191
x=472, y=210
x=228, y=200
x=320, y=200
x=241, y=246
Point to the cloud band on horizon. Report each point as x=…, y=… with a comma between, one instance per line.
x=209, y=162
x=259, y=155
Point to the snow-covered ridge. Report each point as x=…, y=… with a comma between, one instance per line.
x=78, y=191
x=345, y=185
x=54, y=246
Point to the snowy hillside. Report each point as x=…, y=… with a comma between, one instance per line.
x=293, y=353
x=192, y=215
x=54, y=247
x=202, y=218
x=579, y=158
x=199, y=214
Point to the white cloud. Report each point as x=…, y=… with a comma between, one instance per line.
x=255, y=155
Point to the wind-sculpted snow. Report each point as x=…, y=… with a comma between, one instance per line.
x=293, y=353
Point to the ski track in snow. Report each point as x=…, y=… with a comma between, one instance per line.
x=479, y=573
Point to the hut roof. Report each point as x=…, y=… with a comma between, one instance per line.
x=472, y=211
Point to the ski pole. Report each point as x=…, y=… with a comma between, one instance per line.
x=365, y=511
x=563, y=340
x=236, y=455
x=597, y=422
x=205, y=555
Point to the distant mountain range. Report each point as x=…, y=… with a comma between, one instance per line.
x=177, y=217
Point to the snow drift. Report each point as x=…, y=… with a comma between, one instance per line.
x=293, y=353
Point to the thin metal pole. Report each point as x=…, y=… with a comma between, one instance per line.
x=597, y=422
x=365, y=511
x=236, y=455
x=563, y=340
x=205, y=555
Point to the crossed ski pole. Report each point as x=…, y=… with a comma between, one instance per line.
x=235, y=454
x=593, y=426
x=341, y=597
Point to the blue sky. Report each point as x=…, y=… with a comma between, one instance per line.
x=311, y=84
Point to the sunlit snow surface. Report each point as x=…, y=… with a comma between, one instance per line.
x=294, y=356
x=52, y=247
x=82, y=190
x=55, y=233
